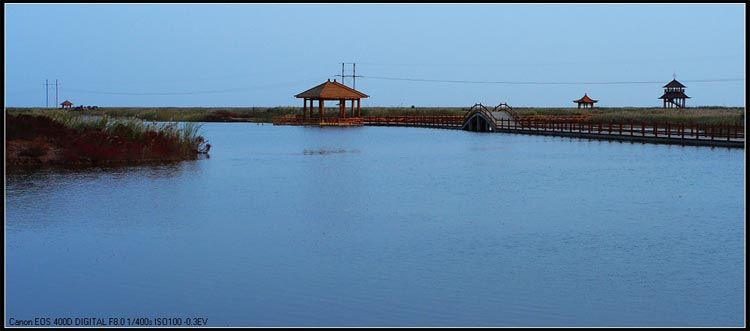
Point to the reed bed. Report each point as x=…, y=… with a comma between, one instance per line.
x=696, y=115
x=62, y=137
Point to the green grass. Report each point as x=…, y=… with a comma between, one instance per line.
x=698, y=115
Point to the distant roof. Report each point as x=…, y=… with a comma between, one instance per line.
x=585, y=99
x=674, y=95
x=675, y=84
x=332, y=90
x=66, y=102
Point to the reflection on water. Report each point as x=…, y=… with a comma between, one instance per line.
x=292, y=226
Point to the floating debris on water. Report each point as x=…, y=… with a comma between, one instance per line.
x=328, y=151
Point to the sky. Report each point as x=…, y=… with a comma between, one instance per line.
x=244, y=55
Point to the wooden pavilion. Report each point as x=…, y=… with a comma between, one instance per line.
x=585, y=102
x=66, y=104
x=674, y=95
x=331, y=90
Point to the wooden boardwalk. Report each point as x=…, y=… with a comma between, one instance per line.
x=447, y=122
x=480, y=119
x=662, y=133
x=652, y=132
x=317, y=121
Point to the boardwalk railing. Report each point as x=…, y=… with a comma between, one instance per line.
x=630, y=128
x=325, y=121
x=580, y=126
x=444, y=121
x=555, y=118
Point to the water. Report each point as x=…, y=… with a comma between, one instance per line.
x=376, y=226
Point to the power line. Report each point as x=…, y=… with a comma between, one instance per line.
x=575, y=62
x=231, y=90
x=548, y=83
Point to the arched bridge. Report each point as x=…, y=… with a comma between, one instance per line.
x=481, y=119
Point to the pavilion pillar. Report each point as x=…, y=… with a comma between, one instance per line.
x=342, y=108
x=304, y=108
x=320, y=107
x=359, y=110
x=352, y=108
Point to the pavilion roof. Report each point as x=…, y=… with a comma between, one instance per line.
x=674, y=84
x=585, y=99
x=674, y=95
x=332, y=90
x=66, y=102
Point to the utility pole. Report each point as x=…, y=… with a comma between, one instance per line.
x=56, y=93
x=46, y=93
x=353, y=75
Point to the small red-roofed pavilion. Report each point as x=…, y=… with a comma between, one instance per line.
x=585, y=102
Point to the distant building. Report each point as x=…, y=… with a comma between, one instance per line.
x=674, y=95
x=585, y=102
x=66, y=104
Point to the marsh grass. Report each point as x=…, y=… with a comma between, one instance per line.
x=697, y=115
x=186, y=134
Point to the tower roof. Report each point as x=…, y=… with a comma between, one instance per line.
x=674, y=95
x=332, y=90
x=674, y=84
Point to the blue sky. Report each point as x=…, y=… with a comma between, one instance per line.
x=261, y=55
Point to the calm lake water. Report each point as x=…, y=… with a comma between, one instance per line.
x=376, y=226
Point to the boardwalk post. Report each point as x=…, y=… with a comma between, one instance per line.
x=643, y=129
x=669, y=131
x=656, y=129
x=729, y=128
